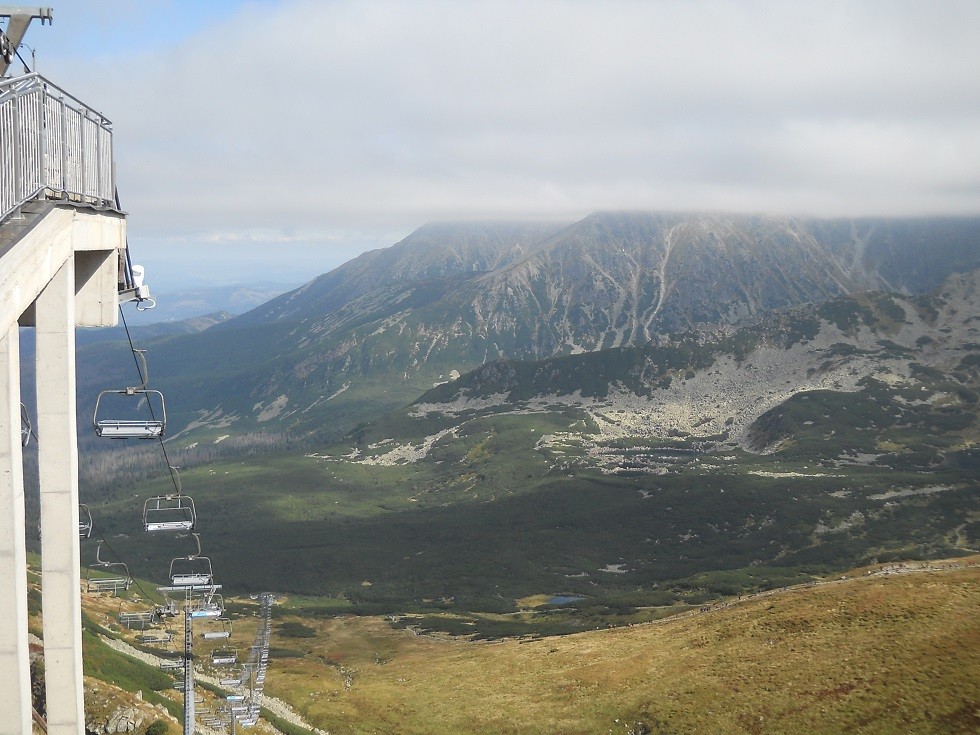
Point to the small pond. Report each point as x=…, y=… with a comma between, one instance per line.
x=563, y=599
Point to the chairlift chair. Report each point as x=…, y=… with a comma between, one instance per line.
x=137, y=619
x=110, y=428
x=117, y=577
x=211, y=605
x=84, y=521
x=224, y=657
x=200, y=575
x=193, y=570
x=131, y=428
x=221, y=633
x=205, y=611
x=169, y=513
x=167, y=611
x=164, y=636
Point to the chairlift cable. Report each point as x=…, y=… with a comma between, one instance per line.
x=26, y=66
x=149, y=405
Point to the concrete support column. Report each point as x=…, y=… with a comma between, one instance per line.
x=58, y=471
x=15, y=677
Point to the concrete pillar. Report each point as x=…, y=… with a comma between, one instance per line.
x=15, y=677
x=58, y=473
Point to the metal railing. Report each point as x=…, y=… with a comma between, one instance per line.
x=52, y=145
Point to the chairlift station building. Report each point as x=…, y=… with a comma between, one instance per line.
x=62, y=239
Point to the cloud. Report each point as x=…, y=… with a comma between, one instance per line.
x=321, y=117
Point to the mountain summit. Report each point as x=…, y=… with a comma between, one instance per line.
x=378, y=331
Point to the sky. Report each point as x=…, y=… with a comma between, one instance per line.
x=276, y=139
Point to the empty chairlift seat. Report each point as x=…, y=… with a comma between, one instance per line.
x=131, y=413
x=224, y=657
x=169, y=513
x=121, y=418
x=193, y=570
x=220, y=630
x=107, y=576
x=156, y=637
x=141, y=620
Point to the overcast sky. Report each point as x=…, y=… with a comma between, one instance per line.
x=279, y=138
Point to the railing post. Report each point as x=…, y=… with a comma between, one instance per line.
x=63, y=145
x=18, y=150
x=83, y=116
x=44, y=136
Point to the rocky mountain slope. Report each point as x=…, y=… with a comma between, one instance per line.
x=378, y=331
x=733, y=388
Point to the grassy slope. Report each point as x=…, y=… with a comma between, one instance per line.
x=870, y=654
x=489, y=519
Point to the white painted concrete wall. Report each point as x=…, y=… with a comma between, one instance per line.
x=60, y=273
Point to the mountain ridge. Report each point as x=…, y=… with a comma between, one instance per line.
x=375, y=333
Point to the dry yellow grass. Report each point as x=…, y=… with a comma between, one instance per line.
x=870, y=654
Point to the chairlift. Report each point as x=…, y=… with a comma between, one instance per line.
x=173, y=512
x=167, y=611
x=156, y=637
x=224, y=657
x=193, y=570
x=84, y=521
x=139, y=620
x=116, y=573
x=25, y=426
x=224, y=631
x=131, y=428
x=211, y=605
x=205, y=611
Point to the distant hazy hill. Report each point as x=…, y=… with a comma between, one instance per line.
x=378, y=331
x=178, y=304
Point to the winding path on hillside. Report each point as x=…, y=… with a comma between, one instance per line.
x=278, y=707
